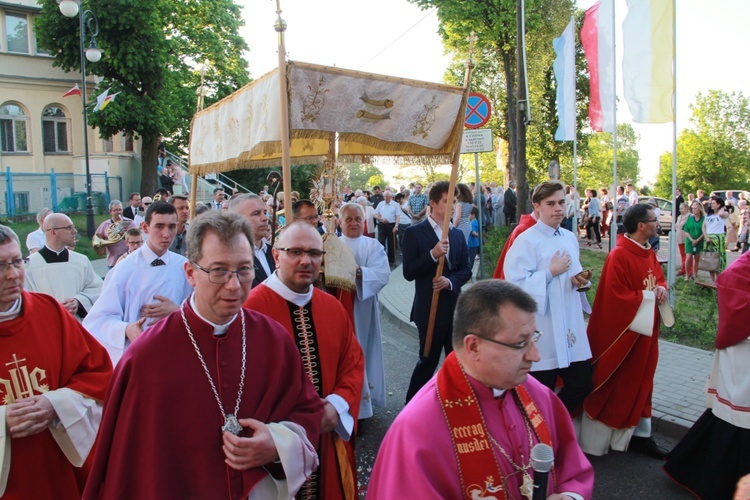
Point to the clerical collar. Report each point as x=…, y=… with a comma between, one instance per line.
x=547, y=230
x=52, y=256
x=298, y=299
x=498, y=392
x=12, y=313
x=150, y=255
x=646, y=245
x=218, y=329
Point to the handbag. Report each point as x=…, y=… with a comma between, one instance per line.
x=709, y=260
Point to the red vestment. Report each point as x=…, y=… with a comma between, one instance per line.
x=161, y=432
x=45, y=349
x=732, y=293
x=624, y=362
x=342, y=365
x=527, y=221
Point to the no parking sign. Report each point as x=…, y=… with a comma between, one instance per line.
x=478, y=110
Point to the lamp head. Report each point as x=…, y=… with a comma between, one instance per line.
x=69, y=8
x=93, y=53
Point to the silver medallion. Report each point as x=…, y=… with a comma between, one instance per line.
x=231, y=424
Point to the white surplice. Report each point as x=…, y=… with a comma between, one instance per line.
x=129, y=286
x=372, y=259
x=559, y=311
x=75, y=279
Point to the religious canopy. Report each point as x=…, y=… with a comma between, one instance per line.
x=374, y=115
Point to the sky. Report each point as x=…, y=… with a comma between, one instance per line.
x=395, y=37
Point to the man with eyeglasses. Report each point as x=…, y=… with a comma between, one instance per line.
x=253, y=209
x=213, y=401
x=143, y=288
x=543, y=260
x=53, y=378
x=306, y=211
x=618, y=410
x=182, y=205
x=58, y=271
x=330, y=352
x=472, y=427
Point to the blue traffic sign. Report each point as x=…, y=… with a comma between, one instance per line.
x=478, y=110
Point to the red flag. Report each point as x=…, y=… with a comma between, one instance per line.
x=74, y=91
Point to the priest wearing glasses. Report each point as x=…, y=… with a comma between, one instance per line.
x=212, y=401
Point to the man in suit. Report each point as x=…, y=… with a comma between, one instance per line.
x=423, y=245
x=252, y=208
x=219, y=198
x=510, y=203
x=131, y=210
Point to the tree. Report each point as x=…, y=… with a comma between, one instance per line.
x=255, y=178
x=151, y=52
x=360, y=174
x=715, y=153
x=595, y=168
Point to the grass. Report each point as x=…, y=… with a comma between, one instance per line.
x=695, y=309
x=24, y=226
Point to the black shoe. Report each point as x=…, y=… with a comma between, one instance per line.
x=647, y=446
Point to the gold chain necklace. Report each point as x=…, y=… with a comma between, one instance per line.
x=527, y=484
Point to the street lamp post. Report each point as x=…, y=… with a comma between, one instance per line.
x=86, y=19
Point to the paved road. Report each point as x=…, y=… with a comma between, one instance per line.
x=618, y=475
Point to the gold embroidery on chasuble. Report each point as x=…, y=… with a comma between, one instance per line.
x=649, y=282
x=23, y=383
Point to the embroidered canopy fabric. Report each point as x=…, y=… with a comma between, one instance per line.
x=375, y=115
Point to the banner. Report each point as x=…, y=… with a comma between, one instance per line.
x=648, y=52
x=598, y=40
x=565, y=75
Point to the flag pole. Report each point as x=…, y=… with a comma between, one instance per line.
x=286, y=169
x=451, y=192
x=613, y=236
x=675, y=210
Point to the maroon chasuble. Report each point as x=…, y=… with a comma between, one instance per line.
x=624, y=362
x=45, y=349
x=161, y=432
x=342, y=364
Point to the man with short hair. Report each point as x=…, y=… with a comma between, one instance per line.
x=36, y=239
x=385, y=214
x=134, y=207
x=58, y=271
x=372, y=274
x=330, y=352
x=617, y=413
x=544, y=262
x=678, y=201
x=182, y=205
x=219, y=198
x=213, y=401
x=731, y=200
x=423, y=246
x=306, y=211
x=53, y=378
x=632, y=195
x=469, y=432
x=146, y=202
x=113, y=229
x=510, y=204
x=376, y=197
x=252, y=209
x=144, y=288
x=418, y=203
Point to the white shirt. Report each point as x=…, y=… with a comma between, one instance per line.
x=260, y=254
x=35, y=239
x=388, y=210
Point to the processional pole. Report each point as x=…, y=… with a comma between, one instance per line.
x=286, y=168
x=451, y=191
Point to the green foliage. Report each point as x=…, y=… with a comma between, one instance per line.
x=696, y=313
x=493, y=245
x=376, y=180
x=595, y=165
x=151, y=53
x=360, y=174
x=255, y=178
x=715, y=153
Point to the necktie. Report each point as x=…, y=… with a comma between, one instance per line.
x=557, y=232
x=158, y=262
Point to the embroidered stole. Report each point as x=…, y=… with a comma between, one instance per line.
x=478, y=468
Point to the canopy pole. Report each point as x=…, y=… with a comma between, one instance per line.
x=451, y=190
x=286, y=168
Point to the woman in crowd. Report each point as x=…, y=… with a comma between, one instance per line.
x=715, y=227
x=463, y=209
x=695, y=235
x=733, y=226
x=605, y=203
x=594, y=218
x=678, y=225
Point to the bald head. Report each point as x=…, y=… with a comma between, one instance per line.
x=291, y=233
x=298, y=253
x=59, y=231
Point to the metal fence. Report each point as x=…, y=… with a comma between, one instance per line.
x=25, y=193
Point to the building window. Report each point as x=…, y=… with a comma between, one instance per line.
x=17, y=33
x=13, y=129
x=128, y=142
x=109, y=145
x=55, y=130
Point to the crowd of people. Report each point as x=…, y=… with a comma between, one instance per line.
x=291, y=351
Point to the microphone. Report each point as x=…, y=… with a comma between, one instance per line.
x=541, y=461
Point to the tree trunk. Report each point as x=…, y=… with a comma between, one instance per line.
x=149, y=156
x=510, y=118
